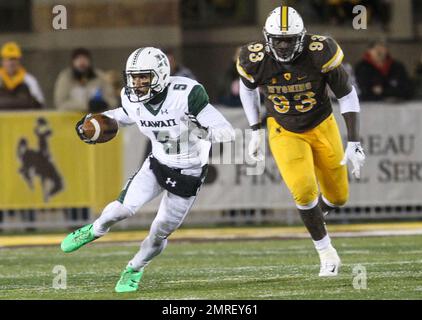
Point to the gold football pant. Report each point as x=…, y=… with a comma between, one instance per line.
x=309, y=159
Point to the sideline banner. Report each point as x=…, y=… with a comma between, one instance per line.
x=392, y=174
x=43, y=164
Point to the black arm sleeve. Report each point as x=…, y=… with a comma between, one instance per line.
x=338, y=80
x=249, y=84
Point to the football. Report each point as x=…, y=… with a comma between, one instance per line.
x=100, y=128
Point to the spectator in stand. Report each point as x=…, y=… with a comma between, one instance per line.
x=176, y=68
x=81, y=87
x=228, y=92
x=380, y=77
x=115, y=79
x=229, y=85
x=19, y=90
x=418, y=79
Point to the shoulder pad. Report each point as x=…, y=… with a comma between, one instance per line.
x=249, y=60
x=183, y=80
x=325, y=51
x=181, y=85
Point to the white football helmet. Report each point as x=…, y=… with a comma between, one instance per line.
x=284, y=33
x=151, y=61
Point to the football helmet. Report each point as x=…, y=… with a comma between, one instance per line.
x=284, y=34
x=153, y=66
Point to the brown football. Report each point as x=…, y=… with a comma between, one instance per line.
x=100, y=128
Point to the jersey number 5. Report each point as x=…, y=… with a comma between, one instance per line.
x=179, y=86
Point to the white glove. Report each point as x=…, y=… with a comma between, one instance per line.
x=354, y=153
x=254, y=148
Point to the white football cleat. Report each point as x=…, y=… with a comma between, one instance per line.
x=330, y=262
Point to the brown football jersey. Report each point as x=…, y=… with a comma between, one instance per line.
x=296, y=93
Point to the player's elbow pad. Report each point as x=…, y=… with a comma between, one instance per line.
x=350, y=102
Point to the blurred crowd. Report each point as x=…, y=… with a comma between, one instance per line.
x=81, y=86
x=340, y=12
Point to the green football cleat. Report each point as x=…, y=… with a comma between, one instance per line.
x=78, y=238
x=129, y=280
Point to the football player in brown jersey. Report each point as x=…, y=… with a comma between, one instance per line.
x=293, y=68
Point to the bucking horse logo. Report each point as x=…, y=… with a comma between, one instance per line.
x=39, y=162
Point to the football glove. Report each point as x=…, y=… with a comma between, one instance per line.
x=354, y=153
x=79, y=130
x=254, y=147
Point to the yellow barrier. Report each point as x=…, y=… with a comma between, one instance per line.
x=43, y=164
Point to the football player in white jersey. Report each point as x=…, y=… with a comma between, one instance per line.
x=175, y=114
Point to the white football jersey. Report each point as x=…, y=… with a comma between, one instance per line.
x=166, y=125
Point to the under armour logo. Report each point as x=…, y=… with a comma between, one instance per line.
x=165, y=111
x=173, y=183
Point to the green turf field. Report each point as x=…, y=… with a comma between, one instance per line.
x=266, y=269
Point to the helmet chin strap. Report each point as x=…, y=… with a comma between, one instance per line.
x=140, y=98
x=152, y=94
x=133, y=96
x=280, y=59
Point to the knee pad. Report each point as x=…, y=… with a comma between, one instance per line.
x=161, y=229
x=116, y=211
x=112, y=213
x=305, y=191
